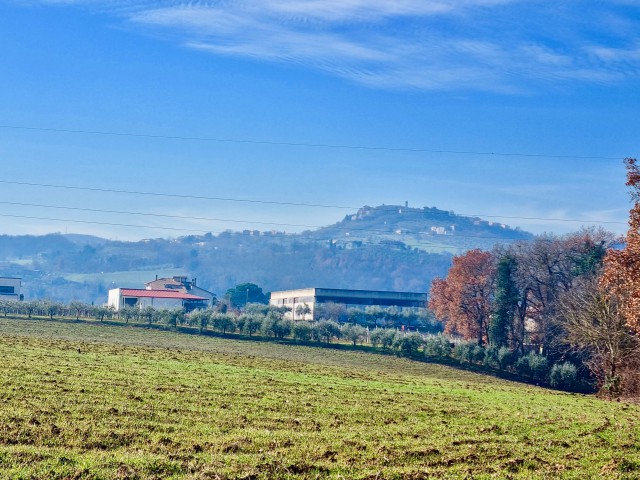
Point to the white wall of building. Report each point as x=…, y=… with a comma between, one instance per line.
x=114, y=299
x=294, y=299
x=118, y=301
x=159, y=302
x=316, y=298
x=10, y=288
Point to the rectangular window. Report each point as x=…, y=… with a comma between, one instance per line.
x=7, y=290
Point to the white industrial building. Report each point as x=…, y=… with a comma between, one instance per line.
x=10, y=288
x=312, y=297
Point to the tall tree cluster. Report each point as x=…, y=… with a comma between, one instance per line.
x=508, y=297
x=514, y=296
x=574, y=296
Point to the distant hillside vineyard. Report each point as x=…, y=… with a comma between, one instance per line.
x=378, y=248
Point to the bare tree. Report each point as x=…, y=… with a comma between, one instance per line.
x=548, y=267
x=594, y=326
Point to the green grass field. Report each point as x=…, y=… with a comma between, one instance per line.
x=92, y=401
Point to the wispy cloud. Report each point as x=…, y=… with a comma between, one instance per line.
x=493, y=45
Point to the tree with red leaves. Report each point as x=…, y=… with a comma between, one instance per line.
x=621, y=275
x=463, y=299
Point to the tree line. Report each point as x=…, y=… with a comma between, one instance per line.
x=562, y=310
x=570, y=298
x=377, y=330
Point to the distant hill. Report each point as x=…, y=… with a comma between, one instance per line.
x=380, y=248
x=428, y=229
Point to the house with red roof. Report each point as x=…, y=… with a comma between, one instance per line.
x=141, y=298
x=180, y=284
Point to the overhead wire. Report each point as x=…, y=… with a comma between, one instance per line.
x=293, y=236
x=173, y=195
x=160, y=215
x=270, y=202
x=230, y=199
x=204, y=231
x=304, y=144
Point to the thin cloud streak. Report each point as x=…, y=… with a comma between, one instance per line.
x=486, y=45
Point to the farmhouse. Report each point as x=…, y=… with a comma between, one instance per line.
x=10, y=288
x=180, y=284
x=315, y=298
x=141, y=298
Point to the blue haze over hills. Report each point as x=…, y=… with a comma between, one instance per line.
x=389, y=247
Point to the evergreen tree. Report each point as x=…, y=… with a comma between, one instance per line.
x=505, y=302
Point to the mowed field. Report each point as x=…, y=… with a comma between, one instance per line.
x=92, y=401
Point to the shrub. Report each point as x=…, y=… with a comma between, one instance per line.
x=491, y=357
x=476, y=353
x=533, y=365
x=388, y=338
x=564, y=376
x=462, y=352
x=522, y=366
x=539, y=366
x=252, y=324
x=302, y=331
x=354, y=333
x=325, y=331
x=375, y=337
x=506, y=358
x=438, y=346
x=408, y=344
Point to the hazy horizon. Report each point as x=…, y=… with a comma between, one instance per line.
x=510, y=109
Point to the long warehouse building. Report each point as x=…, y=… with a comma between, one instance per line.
x=312, y=297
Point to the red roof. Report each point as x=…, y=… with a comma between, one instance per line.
x=138, y=292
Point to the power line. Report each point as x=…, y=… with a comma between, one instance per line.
x=174, y=195
x=244, y=200
x=93, y=222
x=160, y=215
x=184, y=217
x=285, y=236
x=307, y=145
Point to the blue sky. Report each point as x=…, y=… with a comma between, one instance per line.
x=556, y=87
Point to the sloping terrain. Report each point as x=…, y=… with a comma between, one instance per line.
x=429, y=229
x=89, y=401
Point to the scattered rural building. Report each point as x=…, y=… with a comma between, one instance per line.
x=180, y=284
x=141, y=298
x=313, y=298
x=172, y=292
x=10, y=288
